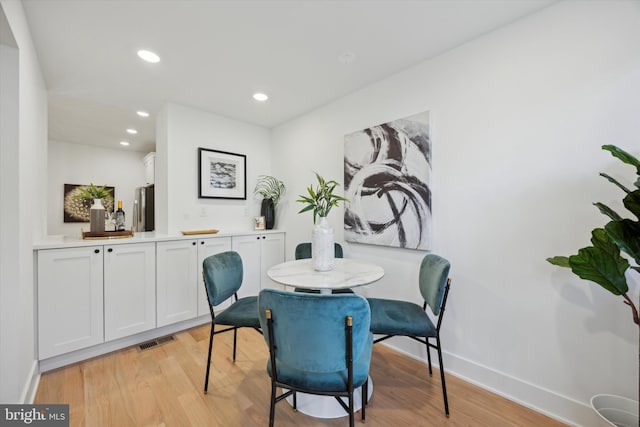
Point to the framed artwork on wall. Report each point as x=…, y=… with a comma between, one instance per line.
x=76, y=209
x=387, y=179
x=221, y=175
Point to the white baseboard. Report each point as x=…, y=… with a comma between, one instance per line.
x=28, y=394
x=539, y=399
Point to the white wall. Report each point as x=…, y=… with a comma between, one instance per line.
x=82, y=164
x=18, y=365
x=518, y=118
x=180, y=132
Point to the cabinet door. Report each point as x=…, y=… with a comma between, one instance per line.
x=249, y=248
x=176, y=271
x=70, y=313
x=207, y=247
x=129, y=289
x=272, y=254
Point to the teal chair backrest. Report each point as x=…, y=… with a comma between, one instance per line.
x=309, y=329
x=222, y=276
x=434, y=272
x=303, y=250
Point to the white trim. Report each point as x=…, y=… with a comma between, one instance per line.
x=30, y=388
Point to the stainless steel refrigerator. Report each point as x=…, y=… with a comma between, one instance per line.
x=143, y=209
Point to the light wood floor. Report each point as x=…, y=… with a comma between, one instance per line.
x=162, y=386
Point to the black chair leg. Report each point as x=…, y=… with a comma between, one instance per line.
x=206, y=379
x=235, y=337
x=444, y=386
x=272, y=408
x=365, y=392
x=429, y=356
x=295, y=402
x=351, y=415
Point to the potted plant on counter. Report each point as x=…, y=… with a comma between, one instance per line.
x=271, y=190
x=96, y=211
x=603, y=263
x=320, y=199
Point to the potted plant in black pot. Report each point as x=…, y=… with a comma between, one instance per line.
x=271, y=190
x=606, y=262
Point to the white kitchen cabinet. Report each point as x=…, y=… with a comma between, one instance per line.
x=129, y=289
x=175, y=281
x=70, y=299
x=207, y=247
x=259, y=253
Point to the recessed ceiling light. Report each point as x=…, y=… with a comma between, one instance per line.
x=346, y=57
x=142, y=113
x=260, y=96
x=148, y=56
x=124, y=143
x=132, y=131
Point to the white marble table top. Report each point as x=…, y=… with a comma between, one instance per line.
x=347, y=273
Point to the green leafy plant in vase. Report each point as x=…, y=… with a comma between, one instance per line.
x=271, y=190
x=320, y=199
x=603, y=262
x=97, y=210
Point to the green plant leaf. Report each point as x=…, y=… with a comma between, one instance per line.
x=614, y=181
x=624, y=156
x=560, y=261
x=625, y=235
x=601, y=263
x=321, y=199
x=632, y=203
x=608, y=211
x=269, y=187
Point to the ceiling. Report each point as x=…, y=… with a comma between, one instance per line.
x=216, y=54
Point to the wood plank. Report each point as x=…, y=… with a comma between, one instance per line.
x=163, y=386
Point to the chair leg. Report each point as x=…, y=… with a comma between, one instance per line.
x=444, y=386
x=429, y=356
x=235, y=338
x=365, y=391
x=272, y=407
x=206, y=378
x=351, y=414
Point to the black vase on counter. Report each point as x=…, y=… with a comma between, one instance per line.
x=268, y=211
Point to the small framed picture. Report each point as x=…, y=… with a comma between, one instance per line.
x=258, y=223
x=221, y=175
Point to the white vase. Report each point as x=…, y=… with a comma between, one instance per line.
x=322, y=241
x=615, y=411
x=96, y=216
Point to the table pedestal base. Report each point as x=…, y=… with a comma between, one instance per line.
x=327, y=406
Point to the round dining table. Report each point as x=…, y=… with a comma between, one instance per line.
x=347, y=273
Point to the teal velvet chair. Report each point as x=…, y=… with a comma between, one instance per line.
x=402, y=318
x=222, y=274
x=303, y=251
x=318, y=344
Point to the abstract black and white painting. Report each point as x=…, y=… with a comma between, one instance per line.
x=387, y=177
x=222, y=175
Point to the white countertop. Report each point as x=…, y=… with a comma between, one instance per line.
x=59, y=242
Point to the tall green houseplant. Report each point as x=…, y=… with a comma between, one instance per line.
x=602, y=262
